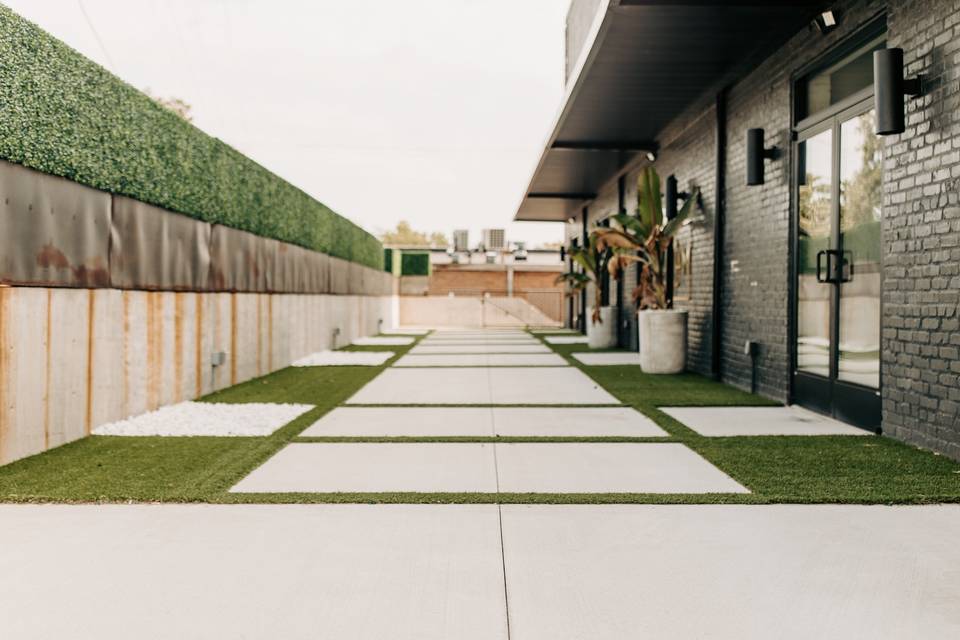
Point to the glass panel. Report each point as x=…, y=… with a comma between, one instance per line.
x=860, y=213
x=815, y=172
x=831, y=85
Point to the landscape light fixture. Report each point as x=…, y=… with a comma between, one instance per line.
x=826, y=21
x=756, y=154
x=889, y=87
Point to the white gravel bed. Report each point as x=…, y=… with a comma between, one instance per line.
x=344, y=358
x=207, y=419
x=383, y=340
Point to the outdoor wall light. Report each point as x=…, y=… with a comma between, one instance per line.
x=826, y=21
x=673, y=195
x=889, y=87
x=651, y=156
x=756, y=154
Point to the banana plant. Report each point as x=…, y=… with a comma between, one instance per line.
x=593, y=261
x=645, y=239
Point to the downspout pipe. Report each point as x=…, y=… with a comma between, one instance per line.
x=720, y=177
x=584, y=214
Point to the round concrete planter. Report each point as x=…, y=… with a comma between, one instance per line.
x=663, y=341
x=602, y=335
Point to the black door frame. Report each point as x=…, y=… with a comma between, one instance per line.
x=846, y=401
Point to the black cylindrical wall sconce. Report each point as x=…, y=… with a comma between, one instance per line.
x=889, y=87
x=756, y=154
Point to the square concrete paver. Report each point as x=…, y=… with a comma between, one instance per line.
x=383, y=340
x=290, y=572
x=434, y=347
x=465, y=385
x=576, y=339
x=375, y=467
x=481, y=360
x=404, y=422
x=760, y=421
x=589, y=467
x=483, y=422
x=480, y=341
x=732, y=572
x=555, y=385
x=574, y=421
x=608, y=358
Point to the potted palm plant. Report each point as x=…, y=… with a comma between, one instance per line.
x=645, y=239
x=594, y=262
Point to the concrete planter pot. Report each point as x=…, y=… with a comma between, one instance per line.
x=663, y=341
x=602, y=335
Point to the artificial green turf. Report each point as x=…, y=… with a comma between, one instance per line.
x=792, y=469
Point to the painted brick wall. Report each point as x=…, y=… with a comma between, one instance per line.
x=921, y=235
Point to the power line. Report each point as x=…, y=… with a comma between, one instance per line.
x=103, y=48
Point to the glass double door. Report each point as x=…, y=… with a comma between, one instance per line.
x=838, y=287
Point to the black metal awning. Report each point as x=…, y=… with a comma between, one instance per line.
x=644, y=63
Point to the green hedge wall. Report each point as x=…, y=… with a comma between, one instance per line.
x=415, y=264
x=63, y=114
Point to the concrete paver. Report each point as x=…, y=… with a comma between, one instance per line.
x=732, y=572
x=297, y=572
x=591, y=467
x=480, y=348
x=608, y=358
x=481, y=360
x=464, y=385
x=760, y=421
x=484, y=421
x=375, y=467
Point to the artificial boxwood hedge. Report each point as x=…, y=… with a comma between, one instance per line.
x=63, y=114
x=415, y=264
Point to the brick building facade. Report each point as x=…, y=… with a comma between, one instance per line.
x=745, y=281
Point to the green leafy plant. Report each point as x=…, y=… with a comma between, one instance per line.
x=64, y=115
x=645, y=239
x=594, y=262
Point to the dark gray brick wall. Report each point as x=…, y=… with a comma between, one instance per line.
x=921, y=235
x=920, y=365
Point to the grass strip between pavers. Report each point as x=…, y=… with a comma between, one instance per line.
x=776, y=469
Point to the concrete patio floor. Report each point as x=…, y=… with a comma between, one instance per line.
x=557, y=572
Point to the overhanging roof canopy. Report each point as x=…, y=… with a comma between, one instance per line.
x=644, y=63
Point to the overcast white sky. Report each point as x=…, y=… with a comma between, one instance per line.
x=432, y=111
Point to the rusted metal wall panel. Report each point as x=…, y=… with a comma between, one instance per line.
x=151, y=248
x=52, y=231
x=339, y=276
x=238, y=260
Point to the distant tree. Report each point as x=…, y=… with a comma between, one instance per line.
x=438, y=239
x=178, y=106
x=407, y=236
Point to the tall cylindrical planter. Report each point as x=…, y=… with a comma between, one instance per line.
x=603, y=334
x=663, y=341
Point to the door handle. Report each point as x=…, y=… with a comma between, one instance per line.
x=820, y=254
x=836, y=272
x=846, y=265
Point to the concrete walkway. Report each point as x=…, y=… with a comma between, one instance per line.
x=485, y=572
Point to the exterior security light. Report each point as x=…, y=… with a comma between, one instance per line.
x=651, y=156
x=826, y=21
x=756, y=154
x=889, y=87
